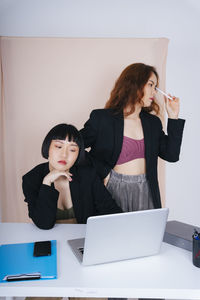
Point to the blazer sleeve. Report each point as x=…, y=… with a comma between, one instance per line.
x=42, y=203
x=90, y=130
x=170, y=144
x=104, y=202
x=90, y=134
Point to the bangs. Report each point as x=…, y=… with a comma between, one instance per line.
x=70, y=135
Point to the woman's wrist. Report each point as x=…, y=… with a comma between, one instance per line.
x=173, y=117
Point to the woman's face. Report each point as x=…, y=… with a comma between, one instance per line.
x=149, y=90
x=63, y=154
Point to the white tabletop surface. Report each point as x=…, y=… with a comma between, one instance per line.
x=170, y=274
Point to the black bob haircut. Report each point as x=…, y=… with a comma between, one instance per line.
x=60, y=132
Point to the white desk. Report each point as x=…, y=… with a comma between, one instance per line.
x=170, y=274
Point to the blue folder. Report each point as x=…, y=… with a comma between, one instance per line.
x=17, y=260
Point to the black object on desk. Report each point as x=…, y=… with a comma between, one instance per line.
x=42, y=248
x=19, y=277
x=196, y=249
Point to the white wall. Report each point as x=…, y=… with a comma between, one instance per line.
x=178, y=20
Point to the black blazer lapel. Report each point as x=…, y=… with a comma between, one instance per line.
x=75, y=194
x=118, y=135
x=74, y=189
x=146, y=125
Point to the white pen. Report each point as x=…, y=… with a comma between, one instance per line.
x=164, y=93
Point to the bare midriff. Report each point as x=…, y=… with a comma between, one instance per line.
x=133, y=167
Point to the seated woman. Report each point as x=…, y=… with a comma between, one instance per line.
x=65, y=188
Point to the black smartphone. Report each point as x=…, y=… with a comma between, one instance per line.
x=42, y=248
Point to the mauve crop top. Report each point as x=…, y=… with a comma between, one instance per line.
x=131, y=149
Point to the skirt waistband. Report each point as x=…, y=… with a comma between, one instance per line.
x=128, y=178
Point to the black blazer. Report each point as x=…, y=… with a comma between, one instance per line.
x=89, y=196
x=103, y=132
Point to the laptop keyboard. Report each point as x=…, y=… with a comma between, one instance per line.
x=81, y=249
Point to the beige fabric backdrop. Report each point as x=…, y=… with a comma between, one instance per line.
x=46, y=81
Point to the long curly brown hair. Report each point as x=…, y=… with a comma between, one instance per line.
x=129, y=89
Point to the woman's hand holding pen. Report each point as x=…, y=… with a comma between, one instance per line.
x=172, y=107
x=53, y=175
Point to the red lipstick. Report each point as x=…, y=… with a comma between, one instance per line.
x=62, y=162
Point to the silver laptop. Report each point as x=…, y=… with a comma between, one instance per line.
x=121, y=236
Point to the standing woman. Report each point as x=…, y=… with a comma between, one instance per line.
x=126, y=139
